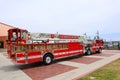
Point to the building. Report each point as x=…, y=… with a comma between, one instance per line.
x=4, y=34
x=112, y=45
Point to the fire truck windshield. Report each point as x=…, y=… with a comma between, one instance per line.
x=24, y=35
x=14, y=36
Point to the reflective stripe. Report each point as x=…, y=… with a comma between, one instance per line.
x=69, y=52
x=102, y=46
x=60, y=53
x=95, y=46
x=75, y=51
x=29, y=57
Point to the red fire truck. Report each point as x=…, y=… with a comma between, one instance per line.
x=26, y=48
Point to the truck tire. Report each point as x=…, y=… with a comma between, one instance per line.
x=47, y=59
x=88, y=52
x=99, y=50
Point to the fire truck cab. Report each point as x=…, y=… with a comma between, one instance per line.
x=91, y=46
x=95, y=46
x=17, y=36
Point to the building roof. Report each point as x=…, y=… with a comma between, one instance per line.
x=4, y=29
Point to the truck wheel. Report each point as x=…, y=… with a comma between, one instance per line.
x=100, y=50
x=88, y=52
x=47, y=59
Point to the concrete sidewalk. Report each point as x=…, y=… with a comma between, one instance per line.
x=9, y=71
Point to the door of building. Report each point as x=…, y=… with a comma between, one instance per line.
x=1, y=44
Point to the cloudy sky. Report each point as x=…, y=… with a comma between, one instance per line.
x=64, y=16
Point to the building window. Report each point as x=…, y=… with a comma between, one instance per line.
x=1, y=44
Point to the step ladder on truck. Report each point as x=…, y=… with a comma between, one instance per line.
x=26, y=48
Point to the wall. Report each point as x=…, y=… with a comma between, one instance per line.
x=3, y=39
x=4, y=33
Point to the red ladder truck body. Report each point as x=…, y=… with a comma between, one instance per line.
x=43, y=47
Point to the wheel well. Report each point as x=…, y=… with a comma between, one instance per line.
x=100, y=47
x=49, y=54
